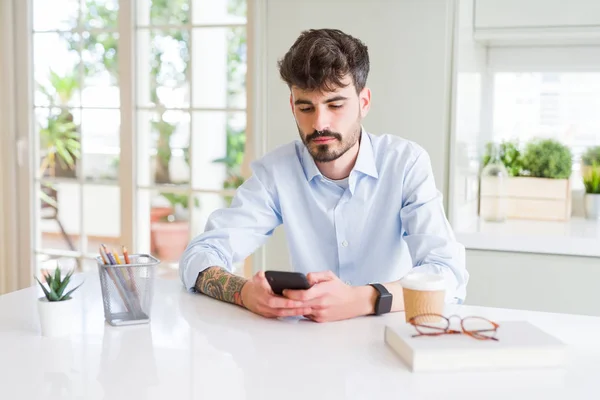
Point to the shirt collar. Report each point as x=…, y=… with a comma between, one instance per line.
x=365, y=161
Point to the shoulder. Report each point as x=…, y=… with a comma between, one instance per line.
x=279, y=157
x=396, y=150
x=279, y=162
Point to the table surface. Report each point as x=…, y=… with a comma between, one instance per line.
x=199, y=348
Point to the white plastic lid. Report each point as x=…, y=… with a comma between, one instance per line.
x=423, y=281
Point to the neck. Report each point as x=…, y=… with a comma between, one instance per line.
x=341, y=167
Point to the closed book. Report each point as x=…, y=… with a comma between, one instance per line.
x=520, y=345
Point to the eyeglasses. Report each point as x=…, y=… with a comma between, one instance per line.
x=435, y=324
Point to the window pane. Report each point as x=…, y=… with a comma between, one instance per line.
x=59, y=139
x=219, y=140
x=56, y=69
x=219, y=12
x=100, y=144
x=219, y=75
x=59, y=213
x=100, y=14
x=162, y=64
x=164, y=223
x=55, y=14
x=99, y=56
x=162, y=12
x=563, y=106
x=205, y=204
x=163, y=148
x=102, y=216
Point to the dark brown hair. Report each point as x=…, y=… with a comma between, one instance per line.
x=320, y=58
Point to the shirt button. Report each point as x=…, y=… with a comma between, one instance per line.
x=344, y=244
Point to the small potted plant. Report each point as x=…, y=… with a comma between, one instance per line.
x=591, y=180
x=590, y=159
x=538, y=186
x=56, y=307
x=171, y=234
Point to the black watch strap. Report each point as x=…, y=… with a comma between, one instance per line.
x=383, y=304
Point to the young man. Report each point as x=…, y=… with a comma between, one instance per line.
x=346, y=198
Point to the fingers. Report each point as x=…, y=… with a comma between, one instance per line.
x=304, y=295
x=316, y=277
x=262, y=281
x=291, y=312
x=318, y=316
x=281, y=302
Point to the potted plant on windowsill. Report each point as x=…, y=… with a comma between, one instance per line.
x=591, y=180
x=590, y=159
x=56, y=307
x=539, y=186
x=171, y=234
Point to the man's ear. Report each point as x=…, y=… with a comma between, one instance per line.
x=364, y=98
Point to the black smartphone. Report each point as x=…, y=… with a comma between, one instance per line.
x=281, y=280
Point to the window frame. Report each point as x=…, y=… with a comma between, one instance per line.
x=21, y=26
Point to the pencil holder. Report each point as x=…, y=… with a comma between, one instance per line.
x=127, y=289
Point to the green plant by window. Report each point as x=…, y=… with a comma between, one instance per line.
x=547, y=158
x=591, y=180
x=591, y=156
x=57, y=285
x=509, y=155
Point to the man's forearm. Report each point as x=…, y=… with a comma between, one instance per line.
x=221, y=285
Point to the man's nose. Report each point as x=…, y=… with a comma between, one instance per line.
x=321, y=121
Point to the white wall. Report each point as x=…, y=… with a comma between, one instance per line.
x=409, y=44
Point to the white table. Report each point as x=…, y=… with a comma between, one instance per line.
x=199, y=348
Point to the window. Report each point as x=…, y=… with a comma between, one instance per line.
x=188, y=101
x=558, y=105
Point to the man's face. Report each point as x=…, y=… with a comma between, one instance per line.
x=329, y=123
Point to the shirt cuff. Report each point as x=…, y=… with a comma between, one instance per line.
x=191, y=266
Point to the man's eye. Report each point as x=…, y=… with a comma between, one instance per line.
x=305, y=109
x=335, y=105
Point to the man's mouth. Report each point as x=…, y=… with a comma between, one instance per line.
x=323, y=139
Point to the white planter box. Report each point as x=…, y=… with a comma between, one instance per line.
x=530, y=198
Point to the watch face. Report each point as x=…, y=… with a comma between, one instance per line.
x=385, y=303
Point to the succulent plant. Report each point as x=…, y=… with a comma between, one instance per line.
x=57, y=285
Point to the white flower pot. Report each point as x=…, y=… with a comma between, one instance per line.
x=56, y=317
x=592, y=206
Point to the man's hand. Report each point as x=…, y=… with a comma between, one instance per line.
x=258, y=297
x=331, y=299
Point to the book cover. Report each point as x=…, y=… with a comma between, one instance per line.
x=520, y=345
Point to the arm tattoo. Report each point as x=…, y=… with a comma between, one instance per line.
x=221, y=285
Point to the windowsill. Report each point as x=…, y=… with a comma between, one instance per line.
x=577, y=237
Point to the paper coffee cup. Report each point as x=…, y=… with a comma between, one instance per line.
x=423, y=294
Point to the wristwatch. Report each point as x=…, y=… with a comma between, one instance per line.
x=383, y=304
